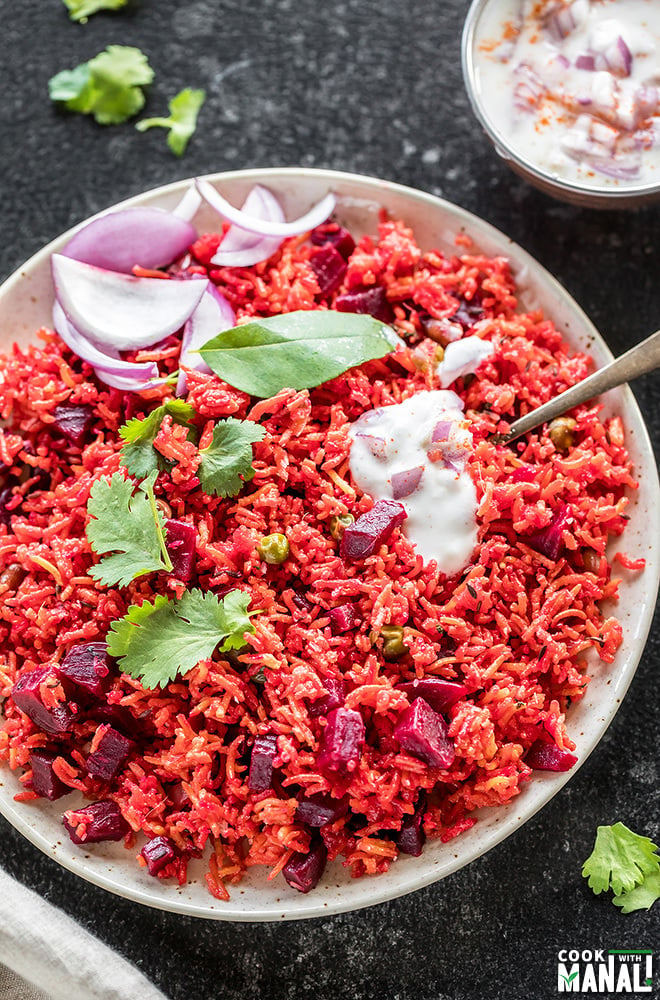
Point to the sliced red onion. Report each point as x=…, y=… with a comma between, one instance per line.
x=560, y=23
x=240, y=248
x=316, y=215
x=405, y=483
x=120, y=310
x=212, y=315
x=150, y=237
x=585, y=61
x=376, y=445
x=127, y=384
x=189, y=204
x=104, y=364
x=441, y=431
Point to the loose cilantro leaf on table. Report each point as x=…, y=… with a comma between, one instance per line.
x=138, y=453
x=642, y=897
x=628, y=864
x=109, y=86
x=227, y=462
x=157, y=641
x=182, y=120
x=296, y=350
x=80, y=10
x=129, y=525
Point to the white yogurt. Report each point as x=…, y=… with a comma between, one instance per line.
x=416, y=452
x=574, y=87
x=462, y=357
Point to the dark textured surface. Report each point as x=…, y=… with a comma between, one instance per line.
x=373, y=88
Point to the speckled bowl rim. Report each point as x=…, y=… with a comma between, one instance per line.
x=25, y=301
x=586, y=195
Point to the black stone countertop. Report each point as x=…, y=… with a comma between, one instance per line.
x=374, y=88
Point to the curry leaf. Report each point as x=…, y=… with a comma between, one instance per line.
x=297, y=350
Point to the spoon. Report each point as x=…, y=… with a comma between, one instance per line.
x=639, y=360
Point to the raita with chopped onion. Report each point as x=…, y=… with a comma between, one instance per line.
x=573, y=85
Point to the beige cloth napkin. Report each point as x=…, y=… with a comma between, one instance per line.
x=45, y=955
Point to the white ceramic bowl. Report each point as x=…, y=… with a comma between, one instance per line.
x=590, y=195
x=25, y=304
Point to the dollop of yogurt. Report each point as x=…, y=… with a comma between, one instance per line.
x=573, y=86
x=416, y=452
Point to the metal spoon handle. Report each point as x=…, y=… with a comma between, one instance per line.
x=639, y=360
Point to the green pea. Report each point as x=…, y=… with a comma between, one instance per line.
x=339, y=523
x=274, y=549
x=393, y=645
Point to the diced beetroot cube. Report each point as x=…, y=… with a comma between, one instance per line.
x=119, y=718
x=342, y=740
x=335, y=698
x=27, y=698
x=329, y=267
x=180, y=539
x=523, y=474
x=103, y=821
x=342, y=619
x=549, y=541
x=301, y=602
x=158, y=852
x=363, y=537
x=7, y=505
x=543, y=756
x=264, y=752
x=436, y=691
x=423, y=733
x=303, y=871
x=372, y=301
x=44, y=780
x=178, y=796
x=110, y=755
x=411, y=837
x=73, y=421
x=331, y=232
x=319, y=809
x=88, y=667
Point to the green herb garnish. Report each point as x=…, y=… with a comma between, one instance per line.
x=297, y=350
x=138, y=453
x=157, y=641
x=628, y=864
x=80, y=10
x=227, y=462
x=182, y=120
x=109, y=86
x=129, y=525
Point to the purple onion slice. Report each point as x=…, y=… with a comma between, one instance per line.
x=149, y=237
x=120, y=310
x=212, y=315
x=265, y=227
x=405, y=483
x=240, y=248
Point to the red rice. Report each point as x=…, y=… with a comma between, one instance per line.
x=515, y=626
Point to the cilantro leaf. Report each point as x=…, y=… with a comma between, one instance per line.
x=182, y=120
x=138, y=454
x=642, y=897
x=620, y=860
x=129, y=525
x=80, y=10
x=156, y=642
x=227, y=462
x=108, y=86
